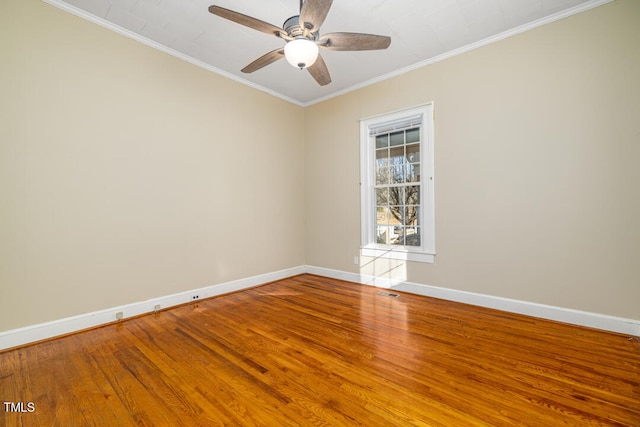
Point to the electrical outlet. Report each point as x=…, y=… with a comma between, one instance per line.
x=119, y=315
x=195, y=297
x=356, y=260
x=156, y=308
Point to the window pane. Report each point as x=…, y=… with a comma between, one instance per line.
x=396, y=162
x=382, y=196
x=398, y=238
x=397, y=174
x=382, y=235
x=397, y=138
x=382, y=176
x=412, y=195
x=411, y=215
x=382, y=141
x=413, y=153
x=413, y=172
x=412, y=236
x=396, y=215
x=382, y=215
x=382, y=157
x=413, y=135
x=397, y=155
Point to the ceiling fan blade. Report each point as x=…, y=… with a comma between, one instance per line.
x=313, y=13
x=245, y=20
x=354, y=41
x=320, y=72
x=264, y=60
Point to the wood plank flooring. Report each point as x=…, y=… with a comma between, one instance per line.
x=315, y=351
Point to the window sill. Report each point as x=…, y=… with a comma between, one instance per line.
x=401, y=254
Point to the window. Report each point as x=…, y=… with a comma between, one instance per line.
x=397, y=209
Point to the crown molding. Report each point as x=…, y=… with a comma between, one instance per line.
x=450, y=54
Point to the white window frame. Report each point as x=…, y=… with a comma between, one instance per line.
x=426, y=252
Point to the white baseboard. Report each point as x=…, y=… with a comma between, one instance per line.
x=42, y=331
x=565, y=315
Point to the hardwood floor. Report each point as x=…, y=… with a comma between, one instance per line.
x=315, y=351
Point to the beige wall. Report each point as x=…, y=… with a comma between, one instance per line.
x=537, y=142
x=127, y=174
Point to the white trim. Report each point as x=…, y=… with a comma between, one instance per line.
x=489, y=40
x=363, y=279
x=566, y=315
x=424, y=253
x=42, y=331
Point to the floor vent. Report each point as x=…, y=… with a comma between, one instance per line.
x=388, y=294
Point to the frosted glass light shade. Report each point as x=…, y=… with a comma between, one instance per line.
x=301, y=53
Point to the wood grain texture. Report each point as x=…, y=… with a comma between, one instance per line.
x=320, y=72
x=315, y=351
x=313, y=13
x=354, y=41
x=245, y=20
x=264, y=60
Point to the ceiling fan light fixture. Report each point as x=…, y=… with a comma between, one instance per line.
x=302, y=36
x=301, y=53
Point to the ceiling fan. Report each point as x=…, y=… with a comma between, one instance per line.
x=302, y=35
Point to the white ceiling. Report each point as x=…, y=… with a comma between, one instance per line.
x=421, y=31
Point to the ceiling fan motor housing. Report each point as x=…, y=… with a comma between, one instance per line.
x=294, y=29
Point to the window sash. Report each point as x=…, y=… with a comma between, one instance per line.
x=397, y=204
